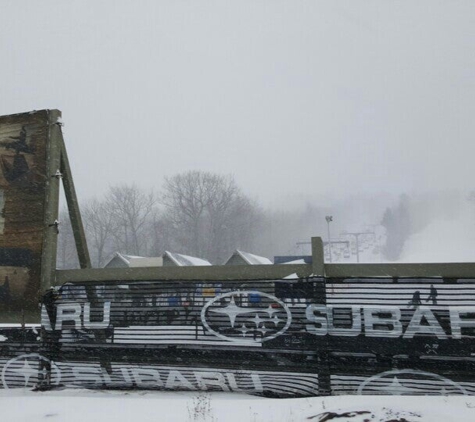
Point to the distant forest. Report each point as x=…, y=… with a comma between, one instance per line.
x=207, y=215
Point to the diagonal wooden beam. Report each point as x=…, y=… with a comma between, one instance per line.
x=73, y=208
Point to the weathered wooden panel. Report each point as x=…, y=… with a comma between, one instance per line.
x=24, y=183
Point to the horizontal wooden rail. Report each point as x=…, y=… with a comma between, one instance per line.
x=237, y=272
x=261, y=272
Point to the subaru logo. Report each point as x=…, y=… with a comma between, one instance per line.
x=411, y=382
x=27, y=371
x=249, y=316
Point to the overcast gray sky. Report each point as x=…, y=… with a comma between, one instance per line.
x=308, y=97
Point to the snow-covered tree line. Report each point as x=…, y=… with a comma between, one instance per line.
x=195, y=213
x=208, y=215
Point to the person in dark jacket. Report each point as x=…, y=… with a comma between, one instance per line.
x=416, y=299
x=51, y=346
x=432, y=295
x=49, y=301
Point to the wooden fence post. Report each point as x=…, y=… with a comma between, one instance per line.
x=318, y=265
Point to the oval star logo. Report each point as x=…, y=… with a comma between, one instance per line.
x=246, y=316
x=27, y=371
x=410, y=382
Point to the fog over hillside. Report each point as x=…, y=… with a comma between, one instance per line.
x=442, y=225
x=446, y=238
x=436, y=226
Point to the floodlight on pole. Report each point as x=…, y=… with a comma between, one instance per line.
x=329, y=219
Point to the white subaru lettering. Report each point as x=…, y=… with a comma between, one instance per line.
x=373, y=321
x=126, y=376
x=68, y=312
x=320, y=325
x=416, y=326
x=355, y=328
x=99, y=324
x=386, y=321
x=257, y=382
x=457, y=323
x=74, y=312
x=211, y=379
x=146, y=377
x=177, y=380
x=87, y=374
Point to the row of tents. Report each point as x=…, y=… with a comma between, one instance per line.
x=170, y=259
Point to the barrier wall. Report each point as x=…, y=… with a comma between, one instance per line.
x=284, y=338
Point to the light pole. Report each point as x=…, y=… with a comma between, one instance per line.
x=329, y=219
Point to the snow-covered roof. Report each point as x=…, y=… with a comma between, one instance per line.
x=121, y=257
x=136, y=261
x=186, y=260
x=128, y=258
x=297, y=261
x=250, y=258
x=146, y=261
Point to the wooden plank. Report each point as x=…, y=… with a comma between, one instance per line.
x=50, y=240
x=261, y=272
x=73, y=208
x=237, y=272
x=318, y=256
x=23, y=181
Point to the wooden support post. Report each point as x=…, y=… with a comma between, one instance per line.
x=50, y=240
x=318, y=266
x=324, y=374
x=73, y=208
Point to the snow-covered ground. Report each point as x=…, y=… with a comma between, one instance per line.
x=83, y=405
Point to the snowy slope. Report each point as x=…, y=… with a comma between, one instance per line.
x=443, y=240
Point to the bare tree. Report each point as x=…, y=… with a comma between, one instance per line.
x=239, y=228
x=207, y=212
x=99, y=224
x=131, y=210
x=185, y=201
x=160, y=235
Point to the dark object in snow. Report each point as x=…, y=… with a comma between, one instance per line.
x=398, y=420
x=327, y=416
